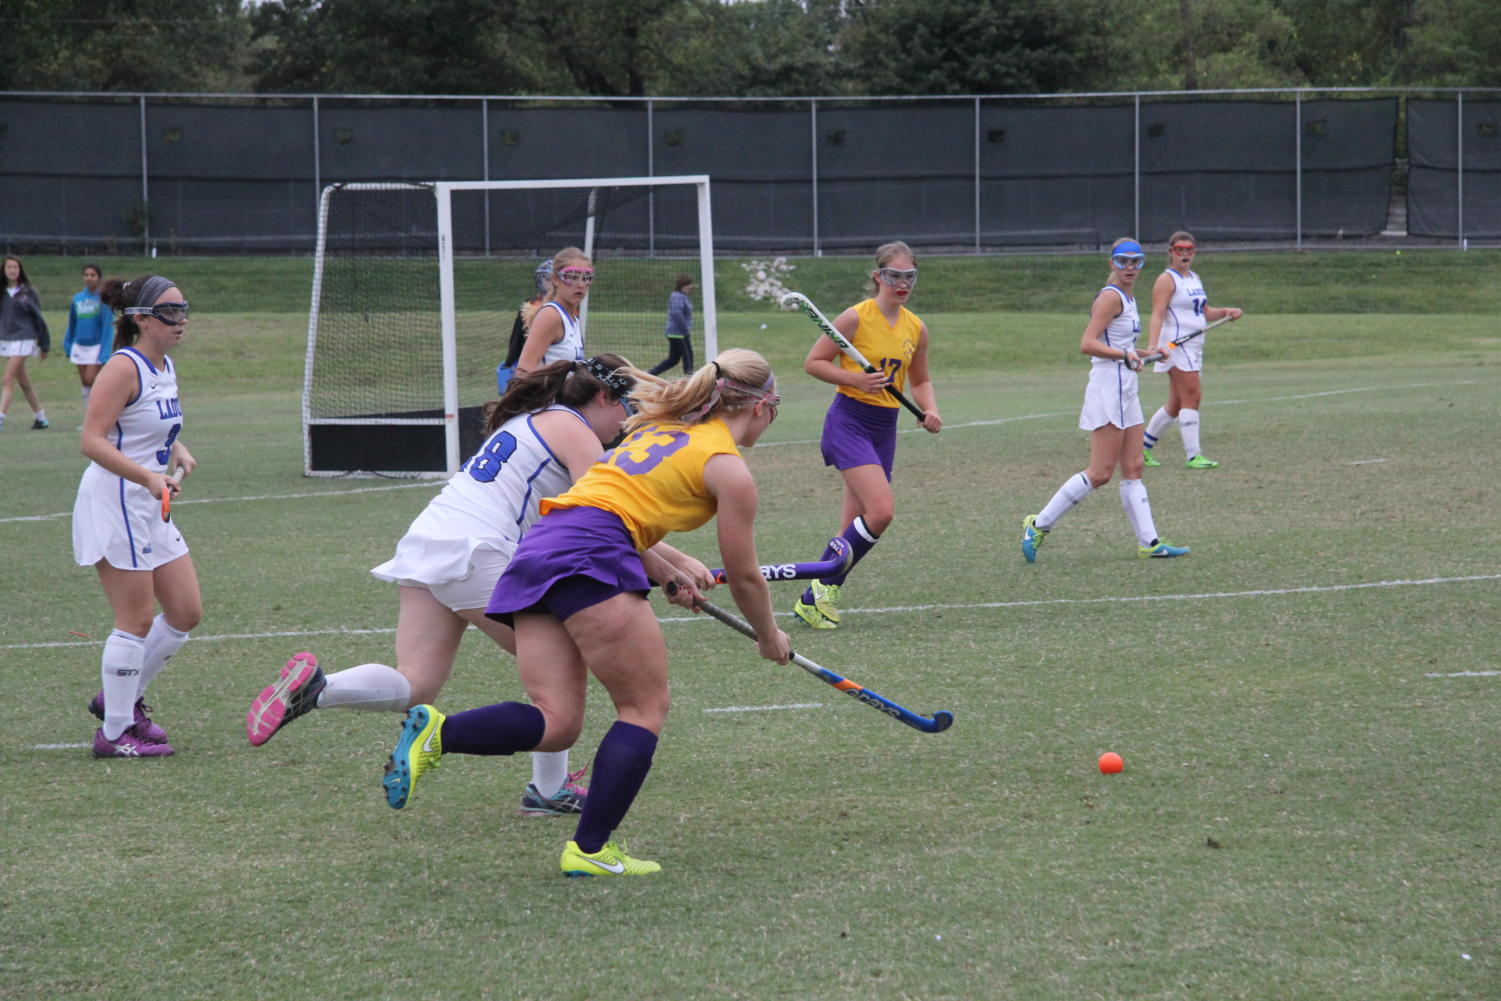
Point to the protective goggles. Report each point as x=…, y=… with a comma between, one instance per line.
x=1183, y=248
x=576, y=276
x=173, y=314
x=897, y=278
x=1124, y=261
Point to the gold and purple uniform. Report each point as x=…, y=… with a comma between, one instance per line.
x=587, y=545
x=860, y=428
x=888, y=347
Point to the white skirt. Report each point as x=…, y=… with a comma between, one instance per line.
x=459, y=572
x=120, y=522
x=1110, y=398
x=1187, y=357
x=18, y=349
x=84, y=354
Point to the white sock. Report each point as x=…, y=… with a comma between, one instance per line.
x=84, y=392
x=1188, y=425
x=161, y=643
x=549, y=771
x=1138, y=511
x=1159, y=423
x=371, y=687
x=1074, y=489
x=41, y=415
x=119, y=670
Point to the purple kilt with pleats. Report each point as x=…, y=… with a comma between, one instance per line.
x=858, y=434
x=572, y=558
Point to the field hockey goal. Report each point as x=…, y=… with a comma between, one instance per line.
x=416, y=287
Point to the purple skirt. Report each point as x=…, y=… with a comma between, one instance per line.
x=570, y=559
x=858, y=434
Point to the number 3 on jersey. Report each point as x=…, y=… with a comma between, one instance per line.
x=644, y=451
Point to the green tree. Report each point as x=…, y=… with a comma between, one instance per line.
x=969, y=47
x=128, y=45
x=769, y=48
x=387, y=47
x=1453, y=43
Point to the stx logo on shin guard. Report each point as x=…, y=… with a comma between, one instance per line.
x=126, y=672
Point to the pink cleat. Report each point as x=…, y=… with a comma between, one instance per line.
x=294, y=694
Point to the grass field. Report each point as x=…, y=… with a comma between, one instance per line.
x=1307, y=706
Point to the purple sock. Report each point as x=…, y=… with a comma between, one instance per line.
x=620, y=766
x=861, y=540
x=499, y=729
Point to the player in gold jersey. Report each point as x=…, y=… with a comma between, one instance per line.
x=859, y=433
x=575, y=592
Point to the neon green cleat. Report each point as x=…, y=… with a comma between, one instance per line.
x=416, y=753
x=1161, y=551
x=1032, y=537
x=611, y=860
x=1199, y=462
x=826, y=600
x=1148, y=459
x=812, y=616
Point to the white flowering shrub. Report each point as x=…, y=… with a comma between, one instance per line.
x=764, y=279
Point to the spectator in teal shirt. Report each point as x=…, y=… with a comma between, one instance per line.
x=90, y=331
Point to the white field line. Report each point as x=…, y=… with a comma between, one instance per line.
x=1213, y=403
x=431, y=484
x=309, y=495
x=954, y=606
x=1466, y=674
x=1364, y=462
x=760, y=709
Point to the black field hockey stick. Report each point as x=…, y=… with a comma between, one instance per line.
x=820, y=321
x=838, y=564
x=1159, y=355
x=937, y=723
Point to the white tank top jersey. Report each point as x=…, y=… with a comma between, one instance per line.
x=571, y=346
x=152, y=419
x=1185, y=310
x=1121, y=332
x=497, y=491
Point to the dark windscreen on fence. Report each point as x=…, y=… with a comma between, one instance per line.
x=790, y=176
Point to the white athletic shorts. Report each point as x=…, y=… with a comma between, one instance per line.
x=84, y=354
x=18, y=349
x=1188, y=357
x=119, y=521
x=460, y=573
x=1110, y=398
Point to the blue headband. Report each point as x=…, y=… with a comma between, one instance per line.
x=1129, y=247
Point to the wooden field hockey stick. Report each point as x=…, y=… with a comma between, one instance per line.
x=1159, y=355
x=804, y=571
x=937, y=723
x=820, y=321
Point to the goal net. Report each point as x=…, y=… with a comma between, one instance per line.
x=416, y=288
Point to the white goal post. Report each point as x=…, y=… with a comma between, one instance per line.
x=416, y=287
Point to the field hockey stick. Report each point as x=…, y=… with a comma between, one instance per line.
x=937, y=723
x=1159, y=355
x=174, y=483
x=838, y=564
x=805, y=304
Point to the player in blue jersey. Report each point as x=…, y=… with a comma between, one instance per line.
x=87, y=341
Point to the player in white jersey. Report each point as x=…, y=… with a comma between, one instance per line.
x=553, y=331
x=1111, y=413
x=548, y=428
x=131, y=432
x=1180, y=308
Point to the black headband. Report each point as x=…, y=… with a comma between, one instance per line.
x=618, y=385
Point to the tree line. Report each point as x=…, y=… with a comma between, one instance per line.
x=747, y=48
